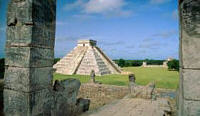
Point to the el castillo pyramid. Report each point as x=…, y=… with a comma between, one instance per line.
x=84, y=58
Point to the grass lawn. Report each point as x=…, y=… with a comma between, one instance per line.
x=162, y=77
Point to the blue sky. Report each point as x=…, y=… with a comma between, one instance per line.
x=129, y=29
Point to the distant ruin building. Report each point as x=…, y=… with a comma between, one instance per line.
x=84, y=58
x=164, y=65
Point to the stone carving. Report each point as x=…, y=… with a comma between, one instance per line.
x=85, y=58
x=92, y=75
x=132, y=78
x=29, y=89
x=189, y=98
x=146, y=92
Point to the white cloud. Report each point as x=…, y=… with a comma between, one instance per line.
x=75, y=5
x=104, y=7
x=61, y=23
x=175, y=14
x=101, y=6
x=159, y=1
x=166, y=34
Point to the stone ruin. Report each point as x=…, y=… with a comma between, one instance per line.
x=28, y=86
x=164, y=65
x=189, y=84
x=84, y=58
x=137, y=91
x=29, y=89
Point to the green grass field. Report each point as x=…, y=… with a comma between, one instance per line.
x=162, y=77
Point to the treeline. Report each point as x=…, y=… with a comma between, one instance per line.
x=129, y=63
x=56, y=60
x=172, y=65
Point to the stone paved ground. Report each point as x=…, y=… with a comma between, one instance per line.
x=133, y=107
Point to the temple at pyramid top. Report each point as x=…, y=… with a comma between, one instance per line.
x=84, y=58
x=87, y=43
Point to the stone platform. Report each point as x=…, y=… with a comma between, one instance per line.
x=134, y=107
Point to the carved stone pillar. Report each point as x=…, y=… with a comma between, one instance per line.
x=29, y=57
x=189, y=86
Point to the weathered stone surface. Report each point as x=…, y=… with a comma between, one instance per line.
x=191, y=82
x=29, y=24
x=43, y=36
x=27, y=104
x=17, y=35
x=189, y=96
x=30, y=36
x=28, y=79
x=32, y=11
x=41, y=9
x=190, y=52
x=82, y=105
x=19, y=10
x=191, y=108
x=100, y=94
x=65, y=95
x=29, y=57
x=179, y=100
x=190, y=33
x=134, y=107
x=145, y=92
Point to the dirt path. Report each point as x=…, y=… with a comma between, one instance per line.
x=133, y=107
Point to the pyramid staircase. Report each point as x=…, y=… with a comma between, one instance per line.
x=68, y=64
x=84, y=58
x=103, y=69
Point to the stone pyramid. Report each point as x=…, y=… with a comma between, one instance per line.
x=84, y=58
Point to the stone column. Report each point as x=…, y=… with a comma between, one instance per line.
x=29, y=57
x=189, y=86
x=132, y=84
x=92, y=76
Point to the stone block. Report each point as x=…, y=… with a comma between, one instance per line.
x=190, y=52
x=190, y=33
x=37, y=36
x=28, y=104
x=66, y=93
x=19, y=35
x=29, y=57
x=41, y=8
x=191, y=82
x=191, y=108
x=32, y=11
x=43, y=36
x=82, y=105
x=20, y=10
x=28, y=79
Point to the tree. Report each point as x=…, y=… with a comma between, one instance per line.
x=121, y=62
x=173, y=65
x=56, y=60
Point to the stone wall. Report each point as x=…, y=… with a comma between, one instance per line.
x=100, y=94
x=144, y=64
x=189, y=87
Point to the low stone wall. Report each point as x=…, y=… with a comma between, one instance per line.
x=100, y=94
x=155, y=66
